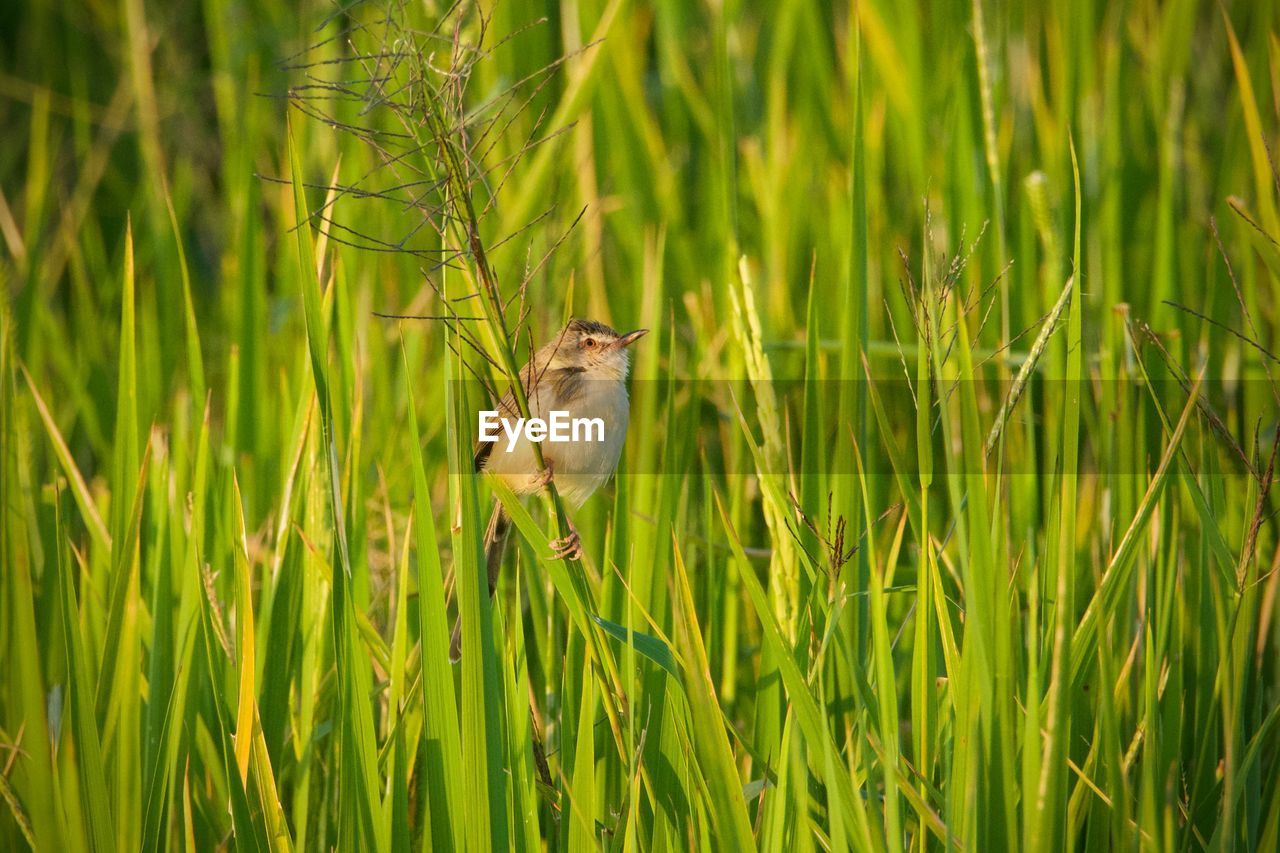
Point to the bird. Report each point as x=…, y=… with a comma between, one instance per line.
x=582, y=370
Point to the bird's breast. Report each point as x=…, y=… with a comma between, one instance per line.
x=598, y=412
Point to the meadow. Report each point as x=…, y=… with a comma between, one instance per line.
x=945, y=520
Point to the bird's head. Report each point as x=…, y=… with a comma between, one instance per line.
x=594, y=349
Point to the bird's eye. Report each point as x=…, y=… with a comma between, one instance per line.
x=589, y=343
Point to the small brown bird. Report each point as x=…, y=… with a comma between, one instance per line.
x=581, y=374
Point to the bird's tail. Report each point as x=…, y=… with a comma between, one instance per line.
x=495, y=544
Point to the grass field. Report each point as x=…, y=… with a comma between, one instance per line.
x=945, y=520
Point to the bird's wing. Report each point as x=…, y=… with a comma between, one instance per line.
x=507, y=408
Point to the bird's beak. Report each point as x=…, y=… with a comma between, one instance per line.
x=630, y=338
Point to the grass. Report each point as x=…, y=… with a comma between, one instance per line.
x=945, y=519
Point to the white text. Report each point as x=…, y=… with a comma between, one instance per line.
x=558, y=427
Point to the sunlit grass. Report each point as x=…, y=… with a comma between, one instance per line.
x=945, y=517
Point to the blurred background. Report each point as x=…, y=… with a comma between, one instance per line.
x=776, y=189
x=712, y=129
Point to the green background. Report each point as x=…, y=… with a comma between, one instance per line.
x=225, y=597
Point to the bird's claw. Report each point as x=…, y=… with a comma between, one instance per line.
x=568, y=547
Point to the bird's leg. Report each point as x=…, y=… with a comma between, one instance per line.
x=568, y=547
x=546, y=475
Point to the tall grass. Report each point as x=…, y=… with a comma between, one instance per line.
x=944, y=521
